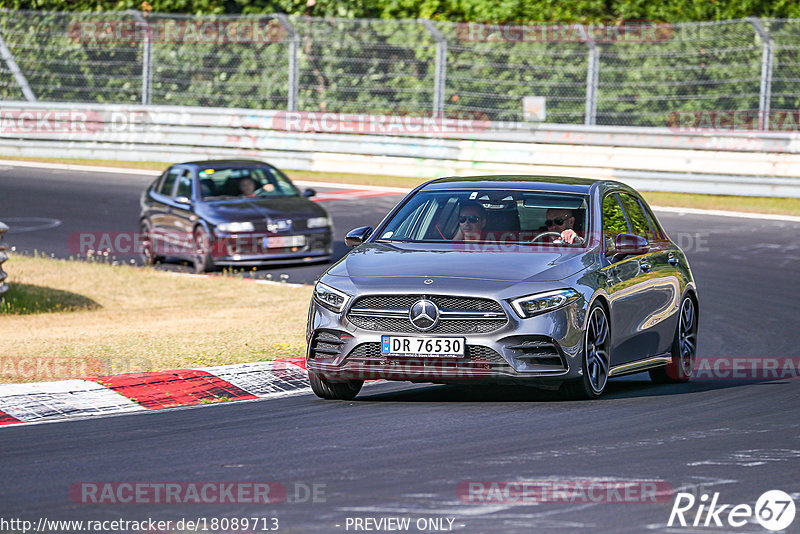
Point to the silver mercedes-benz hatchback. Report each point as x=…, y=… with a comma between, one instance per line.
x=547, y=281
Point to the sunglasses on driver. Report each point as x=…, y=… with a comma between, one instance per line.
x=558, y=221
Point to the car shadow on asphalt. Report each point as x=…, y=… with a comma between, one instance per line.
x=619, y=389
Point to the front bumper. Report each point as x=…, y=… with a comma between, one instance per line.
x=249, y=249
x=537, y=351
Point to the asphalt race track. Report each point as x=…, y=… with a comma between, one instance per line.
x=401, y=450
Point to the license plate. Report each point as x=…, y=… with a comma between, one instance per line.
x=285, y=241
x=422, y=346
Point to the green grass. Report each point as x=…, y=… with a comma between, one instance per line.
x=24, y=299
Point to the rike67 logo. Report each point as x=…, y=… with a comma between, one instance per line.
x=774, y=510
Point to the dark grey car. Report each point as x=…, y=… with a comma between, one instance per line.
x=423, y=300
x=231, y=213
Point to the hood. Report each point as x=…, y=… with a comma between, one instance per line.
x=259, y=208
x=404, y=260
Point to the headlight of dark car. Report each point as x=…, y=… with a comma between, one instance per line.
x=331, y=298
x=318, y=222
x=234, y=227
x=538, y=303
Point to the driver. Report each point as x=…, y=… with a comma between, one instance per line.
x=248, y=186
x=471, y=222
x=561, y=221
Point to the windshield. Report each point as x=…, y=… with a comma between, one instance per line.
x=502, y=216
x=244, y=182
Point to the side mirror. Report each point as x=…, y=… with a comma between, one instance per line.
x=357, y=236
x=630, y=245
x=309, y=193
x=183, y=200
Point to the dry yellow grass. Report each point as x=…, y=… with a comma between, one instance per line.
x=143, y=320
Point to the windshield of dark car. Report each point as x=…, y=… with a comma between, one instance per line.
x=244, y=182
x=488, y=215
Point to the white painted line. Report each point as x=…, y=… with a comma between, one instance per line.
x=723, y=213
x=219, y=277
x=122, y=170
x=72, y=167
x=38, y=400
x=403, y=190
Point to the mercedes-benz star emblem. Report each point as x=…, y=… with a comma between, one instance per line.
x=424, y=315
x=428, y=282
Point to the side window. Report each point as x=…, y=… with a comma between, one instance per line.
x=637, y=217
x=613, y=221
x=169, y=182
x=184, y=185
x=654, y=224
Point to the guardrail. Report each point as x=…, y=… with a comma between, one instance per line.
x=656, y=159
x=3, y=258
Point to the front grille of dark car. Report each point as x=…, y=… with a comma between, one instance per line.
x=389, y=313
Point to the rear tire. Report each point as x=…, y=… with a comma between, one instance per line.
x=334, y=390
x=596, y=358
x=684, y=348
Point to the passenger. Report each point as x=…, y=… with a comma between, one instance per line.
x=471, y=222
x=561, y=221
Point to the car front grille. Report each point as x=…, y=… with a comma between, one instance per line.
x=474, y=353
x=479, y=363
x=458, y=315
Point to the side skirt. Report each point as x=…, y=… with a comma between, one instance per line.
x=640, y=365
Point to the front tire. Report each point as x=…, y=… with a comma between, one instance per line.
x=596, y=357
x=684, y=348
x=149, y=257
x=202, y=260
x=334, y=390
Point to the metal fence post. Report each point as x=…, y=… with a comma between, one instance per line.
x=22, y=81
x=765, y=90
x=147, y=59
x=440, y=67
x=592, y=78
x=294, y=68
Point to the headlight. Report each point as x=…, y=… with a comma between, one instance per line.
x=543, y=302
x=318, y=222
x=233, y=227
x=333, y=299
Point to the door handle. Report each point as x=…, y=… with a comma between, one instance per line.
x=645, y=265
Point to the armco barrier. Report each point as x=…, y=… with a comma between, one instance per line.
x=3, y=258
x=659, y=159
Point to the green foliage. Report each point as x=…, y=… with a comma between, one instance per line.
x=450, y=10
x=386, y=64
